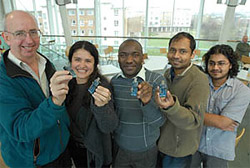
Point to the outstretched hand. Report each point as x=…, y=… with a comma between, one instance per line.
x=164, y=102
x=144, y=92
x=102, y=96
x=59, y=86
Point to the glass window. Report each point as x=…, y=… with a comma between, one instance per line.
x=116, y=42
x=82, y=32
x=90, y=12
x=40, y=14
x=82, y=12
x=72, y=12
x=73, y=23
x=116, y=23
x=242, y=21
x=90, y=22
x=116, y=12
x=165, y=19
x=73, y=32
x=91, y=32
x=82, y=22
x=44, y=16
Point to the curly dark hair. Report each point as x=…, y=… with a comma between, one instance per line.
x=228, y=52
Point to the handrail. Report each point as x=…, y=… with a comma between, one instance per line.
x=45, y=46
x=136, y=37
x=144, y=37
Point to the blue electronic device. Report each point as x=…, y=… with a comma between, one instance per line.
x=134, y=88
x=163, y=92
x=68, y=68
x=94, y=85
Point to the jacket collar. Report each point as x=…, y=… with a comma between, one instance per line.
x=141, y=74
x=172, y=75
x=229, y=82
x=13, y=70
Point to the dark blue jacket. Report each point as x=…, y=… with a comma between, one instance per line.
x=27, y=116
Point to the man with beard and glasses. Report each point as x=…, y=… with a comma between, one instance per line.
x=228, y=101
x=184, y=106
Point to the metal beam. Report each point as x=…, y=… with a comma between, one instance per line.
x=2, y=14
x=50, y=17
x=66, y=30
x=7, y=6
x=228, y=21
x=146, y=28
x=200, y=16
x=98, y=22
x=78, y=20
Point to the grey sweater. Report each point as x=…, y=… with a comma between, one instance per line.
x=139, y=126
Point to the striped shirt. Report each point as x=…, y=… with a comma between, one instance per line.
x=139, y=126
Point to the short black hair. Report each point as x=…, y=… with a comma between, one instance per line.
x=131, y=40
x=228, y=52
x=181, y=35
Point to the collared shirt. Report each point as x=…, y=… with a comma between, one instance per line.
x=141, y=74
x=182, y=74
x=41, y=79
x=230, y=100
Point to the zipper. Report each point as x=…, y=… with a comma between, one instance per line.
x=60, y=132
x=36, y=150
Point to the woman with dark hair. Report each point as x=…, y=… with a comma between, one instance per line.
x=92, y=115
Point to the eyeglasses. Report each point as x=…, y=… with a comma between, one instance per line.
x=21, y=35
x=219, y=64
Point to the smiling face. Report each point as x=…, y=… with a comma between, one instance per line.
x=83, y=65
x=130, y=58
x=180, y=54
x=218, y=67
x=25, y=48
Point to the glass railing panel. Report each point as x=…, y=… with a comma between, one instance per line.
x=54, y=46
